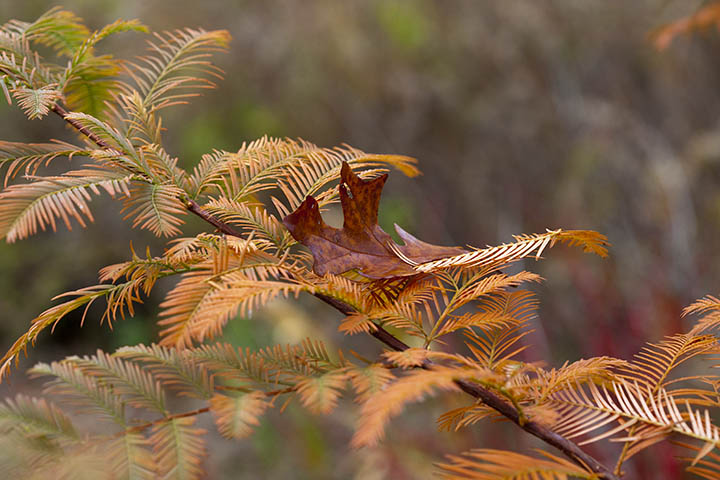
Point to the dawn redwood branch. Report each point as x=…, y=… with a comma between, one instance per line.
x=195, y=208
x=144, y=426
x=60, y=110
x=487, y=396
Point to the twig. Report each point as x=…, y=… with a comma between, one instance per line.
x=145, y=426
x=77, y=126
x=488, y=397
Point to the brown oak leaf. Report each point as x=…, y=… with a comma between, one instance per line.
x=361, y=244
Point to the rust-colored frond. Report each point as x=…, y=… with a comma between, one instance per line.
x=654, y=363
x=289, y=360
x=143, y=125
x=203, y=247
x=232, y=363
x=458, y=418
x=343, y=289
x=119, y=297
x=409, y=358
x=237, y=416
x=201, y=304
x=486, y=464
x=408, y=318
x=37, y=102
x=28, y=157
x=27, y=208
x=413, y=387
x=36, y=416
x=482, y=285
x=178, y=66
x=524, y=246
x=369, y=380
x=508, y=313
x=177, y=369
x=597, y=370
x=706, y=304
x=178, y=448
x=709, y=307
x=356, y=323
x=161, y=165
x=706, y=16
x=181, y=305
x=59, y=29
x=320, y=394
x=129, y=456
x=136, y=386
x=144, y=271
x=706, y=465
x=155, y=207
x=496, y=308
x=92, y=395
x=272, y=163
x=207, y=174
x=629, y=407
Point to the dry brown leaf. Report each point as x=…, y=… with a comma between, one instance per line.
x=361, y=244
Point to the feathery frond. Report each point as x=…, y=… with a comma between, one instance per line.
x=90, y=394
x=296, y=167
x=369, y=380
x=58, y=29
x=37, y=102
x=35, y=416
x=708, y=306
x=251, y=217
x=28, y=157
x=200, y=305
x=178, y=449
x=654, y=363
x=129, y=456
x=506, y=324
x=170, y=76
x=487, y=464
x=136, y=386
x=525, y=246
x=177, y=369
x=155, y=207
x=236, y=416
x=119, y=296
x=416, y=385
x=320, y=394
x=656, y=414
x=25, y=208
x=234, y=364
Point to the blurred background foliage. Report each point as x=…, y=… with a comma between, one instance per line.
x=525, y=115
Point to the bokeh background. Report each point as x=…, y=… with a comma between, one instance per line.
x=525, y=115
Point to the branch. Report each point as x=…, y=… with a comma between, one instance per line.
x=488, y=397
x=63, y=114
